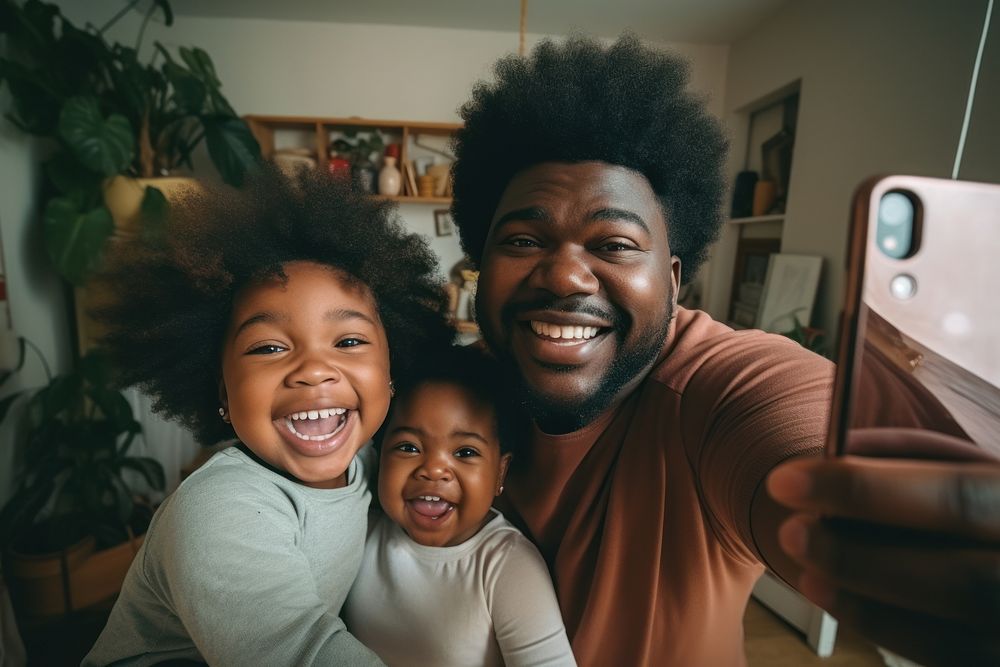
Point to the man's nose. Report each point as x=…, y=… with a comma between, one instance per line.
x=565, y=271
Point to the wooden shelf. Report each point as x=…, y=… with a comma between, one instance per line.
x=407, y=199
x=777, y=217
x=417, y=140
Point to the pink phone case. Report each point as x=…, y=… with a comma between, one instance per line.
x=930, y=360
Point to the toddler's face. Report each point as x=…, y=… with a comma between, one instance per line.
x=305, y=370
x=440, y=464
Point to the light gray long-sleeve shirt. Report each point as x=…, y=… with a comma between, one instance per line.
x=242, y=566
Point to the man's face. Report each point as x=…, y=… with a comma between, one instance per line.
x=576, y=287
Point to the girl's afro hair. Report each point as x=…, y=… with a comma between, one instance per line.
x=171, y=290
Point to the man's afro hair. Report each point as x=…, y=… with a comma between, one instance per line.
x=171, y=294
x=625, y=104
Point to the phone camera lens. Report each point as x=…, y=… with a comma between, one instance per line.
x=895, y=230
x=895, y=209
x=903, y=286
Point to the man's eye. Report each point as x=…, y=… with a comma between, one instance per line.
x=522, y=242
x=267, y=348
x=616, y=246
x=407, y=448
x=466, y=452
x=351, y=342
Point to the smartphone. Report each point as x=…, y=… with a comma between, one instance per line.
x=919, y=343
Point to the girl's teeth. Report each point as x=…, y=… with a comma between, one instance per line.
x=317, y=414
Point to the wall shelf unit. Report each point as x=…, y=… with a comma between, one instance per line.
x=421, y=143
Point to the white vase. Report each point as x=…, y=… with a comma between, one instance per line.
x=389, y=179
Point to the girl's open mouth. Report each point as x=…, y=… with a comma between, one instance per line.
x=316, y=425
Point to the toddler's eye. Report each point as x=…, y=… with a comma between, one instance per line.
x=350, y=342
x=267, y=348
x=407, y=448
x=466, y=452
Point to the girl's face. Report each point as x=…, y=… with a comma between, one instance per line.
x=305, y=372
x=440, y=465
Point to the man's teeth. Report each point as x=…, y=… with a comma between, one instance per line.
x=563, y=331
x=317, y=414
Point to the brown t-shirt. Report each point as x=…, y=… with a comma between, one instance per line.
x=644, y=515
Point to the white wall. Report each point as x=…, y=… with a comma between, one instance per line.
x=282, y=67
x=883, y=88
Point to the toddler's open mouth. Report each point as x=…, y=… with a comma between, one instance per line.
x=316, y=425
x=431, y=507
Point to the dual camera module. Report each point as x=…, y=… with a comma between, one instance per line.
x=897, y=236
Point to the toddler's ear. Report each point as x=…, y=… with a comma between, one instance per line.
x=223, y=397
x=504, y=465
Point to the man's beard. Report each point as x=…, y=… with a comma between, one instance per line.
x=556, y=414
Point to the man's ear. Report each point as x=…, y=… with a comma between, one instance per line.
x=675, y=276
x=504, y=465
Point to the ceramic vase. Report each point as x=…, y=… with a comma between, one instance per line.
x=389, y=179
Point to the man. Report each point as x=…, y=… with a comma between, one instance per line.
x=587, y=187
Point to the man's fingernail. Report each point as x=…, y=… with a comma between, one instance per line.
x=788, y=482
x=793, y=536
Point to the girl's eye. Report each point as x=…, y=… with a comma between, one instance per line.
x=350, y=342
x=267, y=348
x=407, y=448
x=466, y=452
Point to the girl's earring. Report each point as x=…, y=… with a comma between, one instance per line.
x=501, y=490
x=224, y=415
x=392, y=389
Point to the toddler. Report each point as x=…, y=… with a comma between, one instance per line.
x=445, y=579
x=269, y=315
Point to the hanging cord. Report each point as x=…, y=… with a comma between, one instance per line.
x=524, y=26
x=972, y=92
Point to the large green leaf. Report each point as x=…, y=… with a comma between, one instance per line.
x=200, y=63
x=105, y=145
x=150, y=469
x=233, y=148
x=35, y=106
x=154, y=210
x=168, y=14
x=74, y=180
x=189, y=91
x=75, y=238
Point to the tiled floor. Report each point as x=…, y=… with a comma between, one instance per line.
x=770, y=642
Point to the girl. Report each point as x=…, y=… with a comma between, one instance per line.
x=266, y=315
x=446, y=580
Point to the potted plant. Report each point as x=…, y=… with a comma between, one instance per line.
x=358, y=148
x=74, y=521
x=110, y=114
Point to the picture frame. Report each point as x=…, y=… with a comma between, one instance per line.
x=753, y=256
x=443, y=224
x=789, y=292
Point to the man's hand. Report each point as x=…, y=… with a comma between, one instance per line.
x=907, y=551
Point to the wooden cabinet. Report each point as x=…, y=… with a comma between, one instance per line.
x=420, y=143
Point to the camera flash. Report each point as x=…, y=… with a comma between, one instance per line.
x=903, y=286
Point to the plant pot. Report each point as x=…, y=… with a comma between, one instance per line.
x=53, y=584
x=123, y=197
